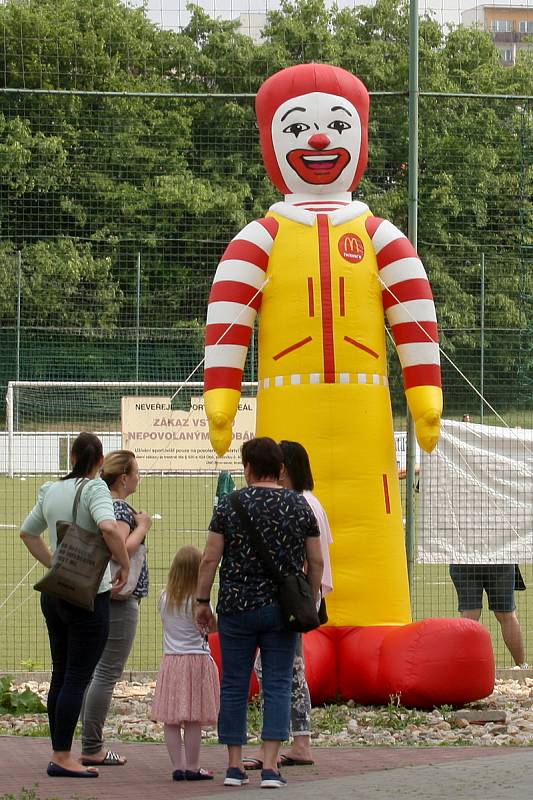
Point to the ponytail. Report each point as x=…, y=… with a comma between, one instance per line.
x=86, y=451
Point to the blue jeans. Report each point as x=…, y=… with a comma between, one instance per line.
x=240, y=635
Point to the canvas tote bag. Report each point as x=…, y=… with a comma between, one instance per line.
x=78, y=563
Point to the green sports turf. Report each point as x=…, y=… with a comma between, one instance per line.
x=184, y=505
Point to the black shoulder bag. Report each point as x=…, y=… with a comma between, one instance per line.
x=296, y=601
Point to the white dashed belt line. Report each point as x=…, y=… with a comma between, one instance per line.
x=296, y=379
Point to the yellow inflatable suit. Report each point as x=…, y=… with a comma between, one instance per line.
x=323, y=271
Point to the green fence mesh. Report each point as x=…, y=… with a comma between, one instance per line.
x=129, y=157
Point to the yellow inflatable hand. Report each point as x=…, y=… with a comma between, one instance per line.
x=425, y=405
x=220, y=408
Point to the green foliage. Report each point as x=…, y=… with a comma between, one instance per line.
x=89, y=181
x=255, y=716
x=25, y=794
x=396, y=717
x=13, y=702
x=331, y=717
x=29, y=665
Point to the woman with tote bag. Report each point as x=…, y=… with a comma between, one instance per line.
x=77, y=636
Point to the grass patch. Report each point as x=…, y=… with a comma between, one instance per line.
x=395, y=717
x=184, y=504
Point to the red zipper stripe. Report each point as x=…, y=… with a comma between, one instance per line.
x=342, y=307
x=294, y=346
x=386, y=493
x=361, y=346
x=311, y=296
x=326, y=301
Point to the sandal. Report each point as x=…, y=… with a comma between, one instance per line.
x=287, y=761
x=110, y=759
x=252, y=763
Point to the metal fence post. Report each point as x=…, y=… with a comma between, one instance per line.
x=413, y=237
x=10, y=437
x=138, y=317
x=19, y=307
x=482, y=340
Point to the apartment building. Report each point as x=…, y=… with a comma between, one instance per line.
x=511, y=27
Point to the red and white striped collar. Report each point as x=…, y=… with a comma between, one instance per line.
x=338, y=213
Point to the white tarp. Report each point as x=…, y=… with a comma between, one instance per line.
x=476, y=496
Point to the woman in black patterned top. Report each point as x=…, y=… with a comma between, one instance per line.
x=121, y=473
x=249, y=616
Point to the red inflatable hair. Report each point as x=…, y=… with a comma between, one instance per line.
x=304, y=79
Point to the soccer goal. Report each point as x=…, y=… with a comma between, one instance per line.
x=42, y=420
x=43, y=417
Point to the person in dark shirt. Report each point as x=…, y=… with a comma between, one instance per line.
x=249, y=615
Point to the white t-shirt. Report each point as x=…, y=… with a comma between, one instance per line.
x=180, y=634
x=325, y=539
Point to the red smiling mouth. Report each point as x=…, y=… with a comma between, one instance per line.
x=314, y=166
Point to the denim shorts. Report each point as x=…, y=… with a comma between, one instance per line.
x=498, y=581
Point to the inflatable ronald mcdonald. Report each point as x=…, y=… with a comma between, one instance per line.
x=323, y=271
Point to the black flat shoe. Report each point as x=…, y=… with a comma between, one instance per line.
x=199, y=775
x=56, y=771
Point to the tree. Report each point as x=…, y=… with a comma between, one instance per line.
x=173, y=178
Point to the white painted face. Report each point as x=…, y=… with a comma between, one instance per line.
x=317, y=140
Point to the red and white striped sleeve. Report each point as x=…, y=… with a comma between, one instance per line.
x=408, y=304
x=234, y=301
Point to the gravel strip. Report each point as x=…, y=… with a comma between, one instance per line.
x=504, y=718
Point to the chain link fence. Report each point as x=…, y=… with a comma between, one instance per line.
x=116, y=205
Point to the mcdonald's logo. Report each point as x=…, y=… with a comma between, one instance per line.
x=351, y=248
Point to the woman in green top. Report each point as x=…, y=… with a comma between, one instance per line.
x=77, y=637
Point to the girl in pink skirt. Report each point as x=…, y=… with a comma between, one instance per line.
x=187, y=690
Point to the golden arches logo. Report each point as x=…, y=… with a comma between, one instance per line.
x=351, y=248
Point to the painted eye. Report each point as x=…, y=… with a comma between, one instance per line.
x=339, y=125
x=296, y=128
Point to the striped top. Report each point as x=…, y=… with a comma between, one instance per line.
x=408, y=303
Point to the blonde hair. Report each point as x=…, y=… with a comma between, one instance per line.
x=117, y=463
x=183, y=576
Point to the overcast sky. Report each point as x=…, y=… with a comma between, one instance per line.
x=173, y=14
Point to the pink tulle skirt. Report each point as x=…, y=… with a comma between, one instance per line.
x=187, y=690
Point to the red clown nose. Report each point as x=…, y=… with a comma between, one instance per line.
x=305, y=79
x=319, y=141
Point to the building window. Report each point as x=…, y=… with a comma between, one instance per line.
x=525, y=26
x=506, y=56
x=502, y=26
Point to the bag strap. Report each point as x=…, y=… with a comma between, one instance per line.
x=77, y=498
x=256, y=538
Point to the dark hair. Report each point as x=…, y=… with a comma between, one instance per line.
x=297, y=464
x=264, y=457
x=87, y=451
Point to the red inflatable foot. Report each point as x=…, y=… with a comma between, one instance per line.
x=428, y=663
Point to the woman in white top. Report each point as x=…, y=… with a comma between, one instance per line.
x=77, y=637
x=296, y=474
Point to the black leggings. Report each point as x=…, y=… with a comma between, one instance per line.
x=77, y=640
